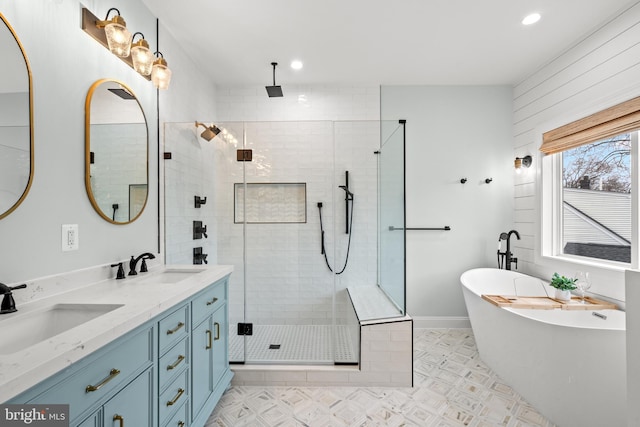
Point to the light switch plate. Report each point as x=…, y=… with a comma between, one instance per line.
x=70, y=237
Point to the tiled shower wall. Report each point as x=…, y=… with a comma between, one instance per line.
x=188, y=173
x=287, y=280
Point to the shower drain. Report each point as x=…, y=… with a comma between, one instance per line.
x=274, y=346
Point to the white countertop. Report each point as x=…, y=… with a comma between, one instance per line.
x=142, y=297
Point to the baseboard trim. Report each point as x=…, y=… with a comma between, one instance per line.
x=440, y=322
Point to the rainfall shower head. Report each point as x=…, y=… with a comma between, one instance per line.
x=209, y=132
x=274, y=91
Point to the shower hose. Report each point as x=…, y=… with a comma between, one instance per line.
x=323, y=251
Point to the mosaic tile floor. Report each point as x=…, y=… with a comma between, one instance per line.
x=452, y=387
x=311, y=344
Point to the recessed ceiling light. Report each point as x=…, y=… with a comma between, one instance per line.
x=531, y=19
x=296, y=65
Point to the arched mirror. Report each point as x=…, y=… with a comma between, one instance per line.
x=116, y=152
x=16, y=121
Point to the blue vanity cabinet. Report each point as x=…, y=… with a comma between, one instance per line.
x=210, y=373
x=115, y=373
x=169, y=372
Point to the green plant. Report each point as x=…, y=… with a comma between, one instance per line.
x=563, y=283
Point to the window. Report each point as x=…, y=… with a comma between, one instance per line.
x=589, y=187
x=596, y=199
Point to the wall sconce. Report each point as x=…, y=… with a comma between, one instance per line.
x=141, y=55
x=210, y=132
x=135, y=54
x=160, y=73
x=118, y=37
x=522, y=162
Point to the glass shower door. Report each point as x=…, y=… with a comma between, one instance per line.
x=391, y=211
x=289, y=297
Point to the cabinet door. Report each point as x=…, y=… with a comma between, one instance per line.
x=92, y=421
x=220, y=354
x=201, y=365
x=131, y=407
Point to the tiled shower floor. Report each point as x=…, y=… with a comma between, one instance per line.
x=300, y=344
x=452, y=387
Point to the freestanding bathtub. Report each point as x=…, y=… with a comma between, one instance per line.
x=569, y=364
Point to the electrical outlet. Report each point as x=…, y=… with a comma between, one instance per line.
x=70, y=237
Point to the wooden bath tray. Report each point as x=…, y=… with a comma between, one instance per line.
x=546, y=303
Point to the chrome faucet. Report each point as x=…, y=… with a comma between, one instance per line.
x=8, y=303
x=143, y=267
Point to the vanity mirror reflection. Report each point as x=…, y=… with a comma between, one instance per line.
x=16, y=121
x=116, y=152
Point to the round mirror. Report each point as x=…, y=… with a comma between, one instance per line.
x=16, y=123
x=116, y=152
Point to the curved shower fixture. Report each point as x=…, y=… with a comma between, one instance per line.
x=349, y=197
x=209, y=132
x=274, y=91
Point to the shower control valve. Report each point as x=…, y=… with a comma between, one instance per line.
x=199, y=201
x=199, y=230
x=199, y=257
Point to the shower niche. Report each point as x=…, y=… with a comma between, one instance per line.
x=265, y=220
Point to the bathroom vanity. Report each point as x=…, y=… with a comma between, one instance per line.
x=155, y=355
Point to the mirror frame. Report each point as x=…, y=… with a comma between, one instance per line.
x=87, y=150
x=31, y=138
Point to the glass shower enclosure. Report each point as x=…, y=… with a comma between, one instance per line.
x=306, y=213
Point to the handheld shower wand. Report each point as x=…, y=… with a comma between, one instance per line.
x=501, y=255
x=349, y=197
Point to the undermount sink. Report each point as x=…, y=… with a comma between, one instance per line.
x=24, y=330
x=172, y=275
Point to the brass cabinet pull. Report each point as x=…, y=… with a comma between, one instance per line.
x=217, y=326
x=112, y=374
x=176, y=363
x=175, y=399
x=209, y=344
x=119, y=418
x=176, y=329
x=212, y=301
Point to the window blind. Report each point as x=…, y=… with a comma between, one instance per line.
x=615, y=120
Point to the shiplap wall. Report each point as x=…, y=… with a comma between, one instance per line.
x=599, y=71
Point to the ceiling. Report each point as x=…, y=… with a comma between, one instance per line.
x=380, y=42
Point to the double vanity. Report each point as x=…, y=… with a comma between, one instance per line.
x=144, y=351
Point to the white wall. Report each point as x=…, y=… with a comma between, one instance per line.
x=453, y=132
x=597, y=72
x=62, y=74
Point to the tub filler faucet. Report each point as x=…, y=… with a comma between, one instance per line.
x=505, y=259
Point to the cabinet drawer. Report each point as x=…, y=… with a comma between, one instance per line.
x=209, y=300
x=172, y=328
x=174, y=361
x=132, y=405
x=174, y=396
x=89, y=385
x=180, y=418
